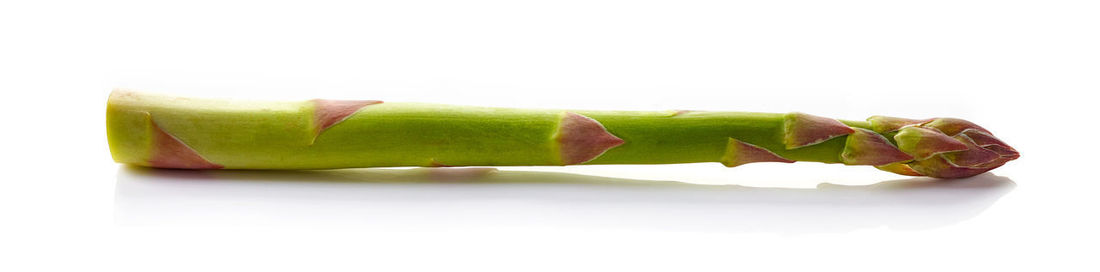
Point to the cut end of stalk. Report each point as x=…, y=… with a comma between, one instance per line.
x=800, y=129
x=738, y=153
x=582, y=139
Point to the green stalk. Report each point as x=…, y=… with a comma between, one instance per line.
x=171, y=132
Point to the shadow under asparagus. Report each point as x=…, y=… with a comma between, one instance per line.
x=470, y=198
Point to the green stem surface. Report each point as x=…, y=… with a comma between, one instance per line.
x=280, y=135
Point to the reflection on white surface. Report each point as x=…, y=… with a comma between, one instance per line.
x=456, y=198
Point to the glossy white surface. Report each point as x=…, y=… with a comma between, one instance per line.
x=1025, y=70
x=519, y=198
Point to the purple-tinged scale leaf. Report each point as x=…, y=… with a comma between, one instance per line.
x=738, y=153
x=583, y=139
x=865, y=147
x=680, y=112
x=800, y=129
x=328, y=113
x=994, y=163
x=991, y=143
x=884, y=124
x=1005, y=152
x=922, y=143
x=953, y=126
x=940, y=167
x=170, y=152
x=973, y=156
x=984, y=139
x=900, y=169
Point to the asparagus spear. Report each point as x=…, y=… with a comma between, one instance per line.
x=173, y=132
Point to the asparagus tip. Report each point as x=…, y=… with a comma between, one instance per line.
x=948, y=148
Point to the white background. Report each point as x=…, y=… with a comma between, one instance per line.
x=1024, y=69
